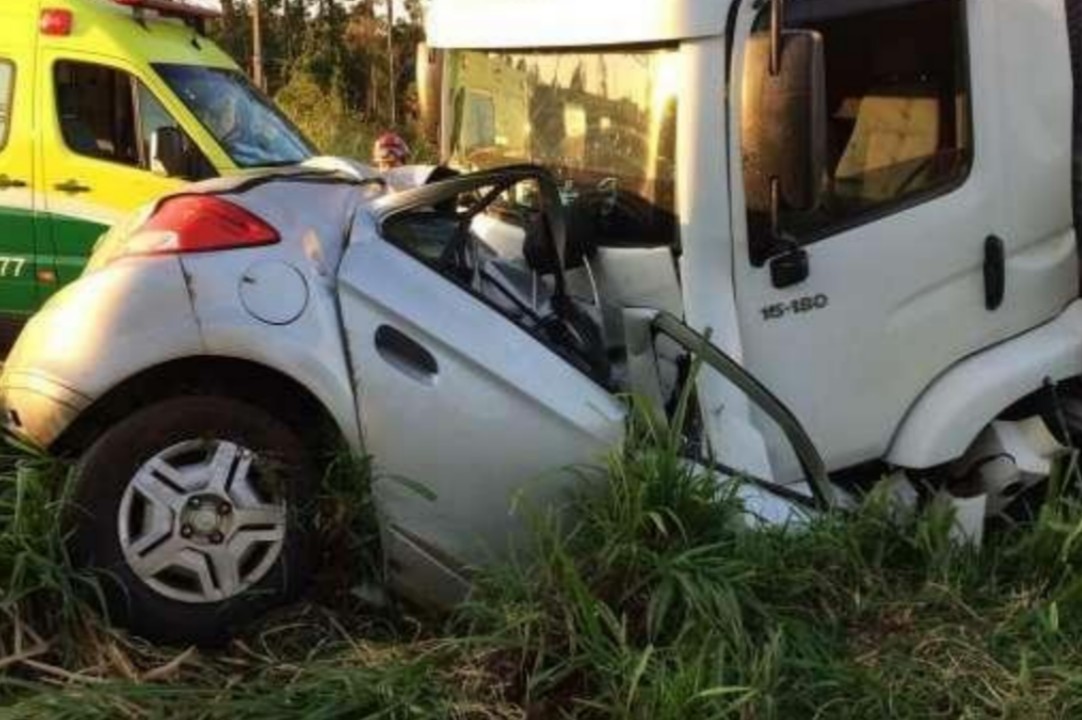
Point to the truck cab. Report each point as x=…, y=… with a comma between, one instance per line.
x=866, y=203
x=105, y=105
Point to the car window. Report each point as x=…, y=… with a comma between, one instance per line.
x=485, y=252
x=496, y=244
x=7, y=97
x=899, y=121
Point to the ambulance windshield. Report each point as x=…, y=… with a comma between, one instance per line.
x=244, y=121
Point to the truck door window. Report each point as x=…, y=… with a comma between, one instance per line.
x=899, y=122
x=109, y=115
x=7, y=96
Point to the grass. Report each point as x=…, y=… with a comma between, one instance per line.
x=646, y=597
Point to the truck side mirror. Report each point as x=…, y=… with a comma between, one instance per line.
x=429, y=88
x=167, y=154
x=784, y=124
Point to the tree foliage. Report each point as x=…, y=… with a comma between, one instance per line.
x=327, y=63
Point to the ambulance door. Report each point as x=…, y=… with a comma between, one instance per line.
x=97, y=120
x=17, y=252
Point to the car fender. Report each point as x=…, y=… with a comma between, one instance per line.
x=308, y=348
x=62, y=363
x=951, y=413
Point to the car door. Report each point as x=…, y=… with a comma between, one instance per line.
x=457, y=396
x=96, y=168
x=915, y=224
x=17, y=232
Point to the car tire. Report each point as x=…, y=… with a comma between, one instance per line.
x=195, y=513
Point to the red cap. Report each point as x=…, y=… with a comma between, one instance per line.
x=390, y=146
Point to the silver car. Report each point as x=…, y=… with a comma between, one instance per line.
x=223, y=339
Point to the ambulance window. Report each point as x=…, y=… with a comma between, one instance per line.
x=189, y=163
x=7, y=93
x=96, y=109
x=898, y=113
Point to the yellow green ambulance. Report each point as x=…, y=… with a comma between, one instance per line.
x=105, y=105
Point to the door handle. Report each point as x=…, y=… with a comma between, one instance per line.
x=995, y=273
x=72, y=187
x=7, y=183
x=406, y=355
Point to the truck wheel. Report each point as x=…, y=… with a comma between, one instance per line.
x=192, y=511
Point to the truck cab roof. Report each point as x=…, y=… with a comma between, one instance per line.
x=556, y=23
x=508, y=24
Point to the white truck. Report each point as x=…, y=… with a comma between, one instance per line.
x=867, y=202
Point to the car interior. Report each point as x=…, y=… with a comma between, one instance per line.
x=499, y=243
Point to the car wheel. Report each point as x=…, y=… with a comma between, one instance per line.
x=193, y=512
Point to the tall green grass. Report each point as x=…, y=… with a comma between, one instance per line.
x=647, y=597
x=660, y=602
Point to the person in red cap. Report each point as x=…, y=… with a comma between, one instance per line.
x=390, y=151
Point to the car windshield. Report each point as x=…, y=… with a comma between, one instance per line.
x=604, y=122
x=252, y=131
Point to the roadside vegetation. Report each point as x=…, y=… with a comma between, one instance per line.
x=650, y=599
x=328, y=64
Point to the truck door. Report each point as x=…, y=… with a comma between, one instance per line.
x=17, y=283
x=97, y=120
x=919, y=216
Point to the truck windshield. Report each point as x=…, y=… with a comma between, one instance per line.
x=603, y=121
x=252, y=131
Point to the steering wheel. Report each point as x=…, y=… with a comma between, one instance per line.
x=614, y=213
x=569, y=326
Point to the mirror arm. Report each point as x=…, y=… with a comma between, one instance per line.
x=777, y=25
x=787, y=241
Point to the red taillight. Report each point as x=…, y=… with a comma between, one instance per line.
x=55, y=21
x=199, y=223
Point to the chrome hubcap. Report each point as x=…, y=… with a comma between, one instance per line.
x=197, y=523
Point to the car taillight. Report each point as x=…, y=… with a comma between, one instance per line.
x=198, y=223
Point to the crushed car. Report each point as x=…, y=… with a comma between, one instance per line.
x=221, y=341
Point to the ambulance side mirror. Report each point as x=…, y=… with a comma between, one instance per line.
x=784, y=123
x=167, y=154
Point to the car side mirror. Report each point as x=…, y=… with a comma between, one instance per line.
x=167, y=154
x=784, y=124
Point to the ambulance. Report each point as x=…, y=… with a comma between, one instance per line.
x=105, y=105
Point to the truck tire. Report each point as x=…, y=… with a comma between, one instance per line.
x=194, y=514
